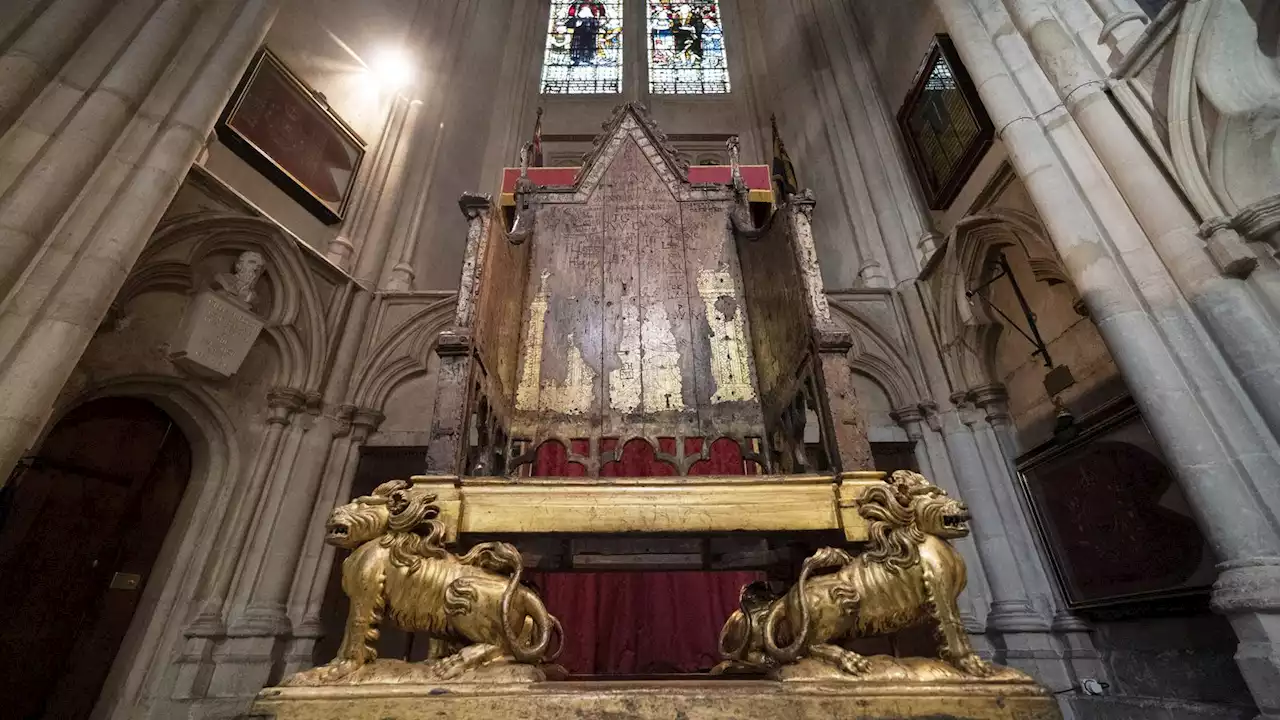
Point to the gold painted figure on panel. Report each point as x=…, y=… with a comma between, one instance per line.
x=474, y=604
x=909, y=575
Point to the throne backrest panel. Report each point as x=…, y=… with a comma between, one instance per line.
x=635, y=325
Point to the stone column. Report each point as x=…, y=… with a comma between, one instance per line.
x=388, y=161
x=56, y=330
x=312, y=577
x=911, y=418
x=1249, y=339
x=33, y=207
x=41, y=49
x=341, y=249
x=1150, y=334
x=993, y=430
x=398, y=273
x=210, y=604
x=1122, y=23
x=1011, y=608
x=215, y=584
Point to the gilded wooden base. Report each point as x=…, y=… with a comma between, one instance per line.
x=685, y=699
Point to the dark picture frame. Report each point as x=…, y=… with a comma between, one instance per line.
x=947, y=131
x=1115, y=523
x=286, y=131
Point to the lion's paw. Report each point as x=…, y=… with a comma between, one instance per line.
x=854, y=664
x=323, y=675
x=971, y=664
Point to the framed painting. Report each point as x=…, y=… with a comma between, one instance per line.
x=288, y=133
x=1117, y=526
x=947, y=130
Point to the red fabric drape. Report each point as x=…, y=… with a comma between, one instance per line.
x=641, y=622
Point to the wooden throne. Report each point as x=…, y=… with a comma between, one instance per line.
x=635, y=300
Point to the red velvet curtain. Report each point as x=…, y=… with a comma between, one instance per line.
x=649, y=622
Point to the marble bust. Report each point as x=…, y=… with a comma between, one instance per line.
x=240, y=283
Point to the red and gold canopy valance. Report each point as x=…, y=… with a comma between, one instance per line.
x=756, y=176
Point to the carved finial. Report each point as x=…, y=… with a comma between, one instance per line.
x=526, y=152
x=735, y=163
x=239, y=284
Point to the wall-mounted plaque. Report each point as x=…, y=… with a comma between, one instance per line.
x=215, y=336
x=945, y=126
x=287, y=132
x=1114, y=519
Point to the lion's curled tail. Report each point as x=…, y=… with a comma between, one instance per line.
x=824, y=558
x=505, y=559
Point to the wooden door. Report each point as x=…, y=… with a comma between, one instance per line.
x=80, y=527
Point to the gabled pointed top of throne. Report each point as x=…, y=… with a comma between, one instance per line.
x=632, y=122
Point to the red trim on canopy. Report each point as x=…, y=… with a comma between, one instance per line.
x=756, y=177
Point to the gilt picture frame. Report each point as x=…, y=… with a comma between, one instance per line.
x=1114, y=521
x=946, y=128
x=285, y=130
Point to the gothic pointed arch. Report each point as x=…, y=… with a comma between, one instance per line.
x=877, y=356
x=402, y=353
x=969, y=332
x=217, y=456
x=299, y=322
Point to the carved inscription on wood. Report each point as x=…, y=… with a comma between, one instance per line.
x=636, y=324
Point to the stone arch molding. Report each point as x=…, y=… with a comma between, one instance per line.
x=297, y=324
x=158, y=623
x=968, y=331
x=402, y=352
x=876, y=356
x=1224, y=56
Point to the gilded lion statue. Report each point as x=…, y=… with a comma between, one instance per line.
x=474, y=603
x=909, y=574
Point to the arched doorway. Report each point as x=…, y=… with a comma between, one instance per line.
x=81, y=524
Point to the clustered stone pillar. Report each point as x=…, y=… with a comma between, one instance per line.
x=1137, y=286
x=75, y=229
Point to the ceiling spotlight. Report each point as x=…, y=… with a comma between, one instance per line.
x=393, y=67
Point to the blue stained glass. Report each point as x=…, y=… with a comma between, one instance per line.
x=584, y=48
x=686, y=48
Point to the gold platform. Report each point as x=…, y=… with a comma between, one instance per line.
x=764, y=503
x=685, y=699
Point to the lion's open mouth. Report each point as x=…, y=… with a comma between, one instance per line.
x=957, y=522
x=338, y=530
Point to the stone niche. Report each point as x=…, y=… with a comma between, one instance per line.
x=215, y=336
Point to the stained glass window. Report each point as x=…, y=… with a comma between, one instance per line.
x=686, y=48
x=584, y=48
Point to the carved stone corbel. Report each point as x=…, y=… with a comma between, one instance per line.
x=283, y=404
x=1228, y=250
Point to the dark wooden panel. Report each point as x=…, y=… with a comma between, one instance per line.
x=780, y=323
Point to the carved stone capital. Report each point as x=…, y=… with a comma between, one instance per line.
x=453, y=342
x=832, y=340
x=1249, y=585
x=803, y=202
x=365, y=422
x=283, y=403
x=907, y=415
x=986, y=396
x=474, y=205
x=342, y=416
x=1259, y=221
x=968, y=412
x=1227, y=249
x=931, y=416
